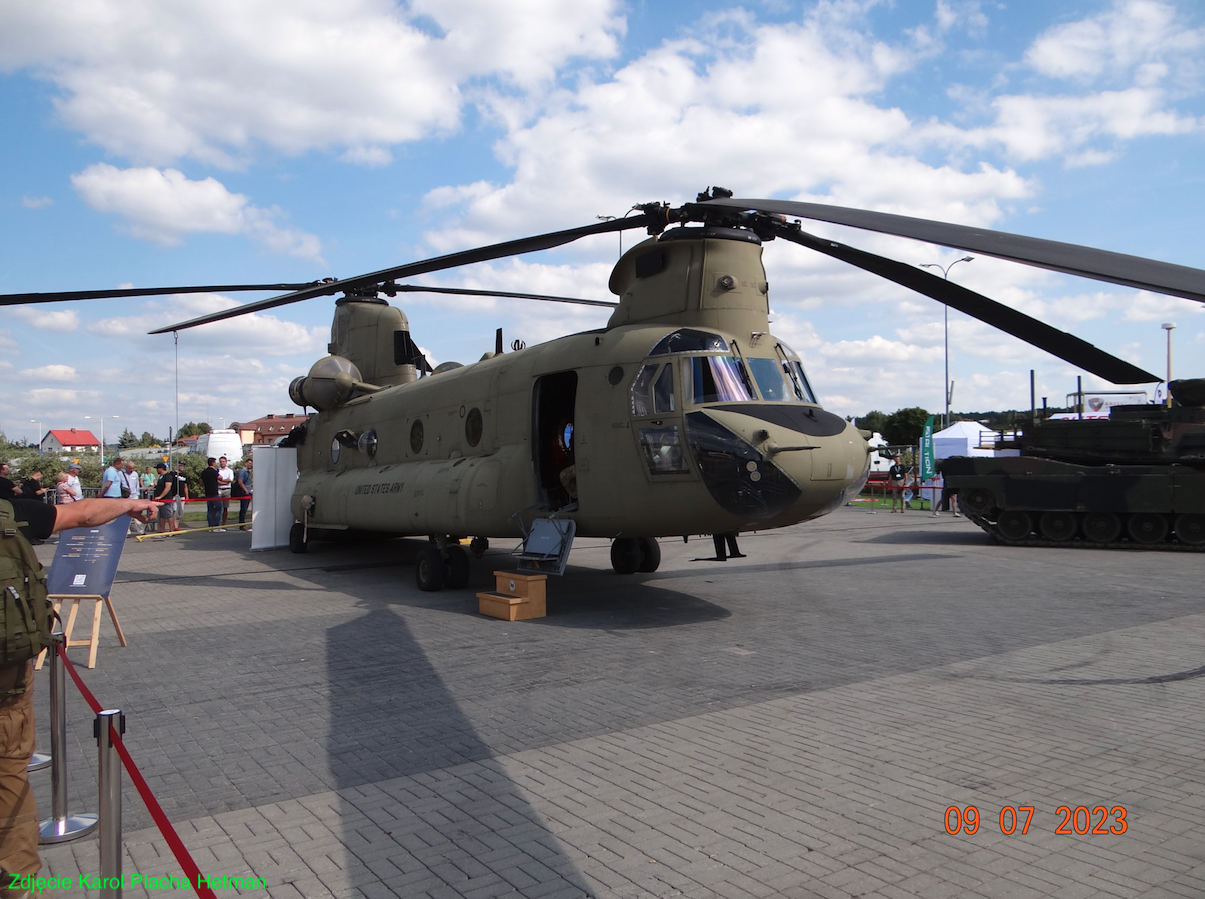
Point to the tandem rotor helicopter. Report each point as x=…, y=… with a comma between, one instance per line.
x=684, y=415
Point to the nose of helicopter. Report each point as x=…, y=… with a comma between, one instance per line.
x=778, y=464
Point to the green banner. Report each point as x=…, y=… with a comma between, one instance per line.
x=927, y=468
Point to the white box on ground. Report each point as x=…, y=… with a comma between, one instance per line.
x=275, y=478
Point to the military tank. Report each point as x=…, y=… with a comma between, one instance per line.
x=1134, y=480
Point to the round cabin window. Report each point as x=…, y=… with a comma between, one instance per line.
x=473, y=427
x=416, y=436
x=334, y=451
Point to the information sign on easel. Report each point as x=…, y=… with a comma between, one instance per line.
x=85, y=564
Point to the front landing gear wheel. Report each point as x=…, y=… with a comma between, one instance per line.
x=429, y=570
x=297, y=538
x=650, y=554
x=626, y=555
x=456, y=568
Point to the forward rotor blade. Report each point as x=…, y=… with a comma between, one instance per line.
x=459, y=291
x=410, y=270
x=1069, y=258
x=21, y=299
x=1058, y=343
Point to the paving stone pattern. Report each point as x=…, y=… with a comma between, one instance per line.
x=792, y=724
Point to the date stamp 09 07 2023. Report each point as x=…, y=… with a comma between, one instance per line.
x=1073, y=821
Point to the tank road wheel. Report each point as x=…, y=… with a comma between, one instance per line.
x=1191, y=529
x=1014, y=525
x=650, y=554
x=429, y=569
x=456, y=568
x=297, y=538
x=1147, y=528
x=1058, y=526
x=625, y=555
x=977, y=500
x=1102, y=527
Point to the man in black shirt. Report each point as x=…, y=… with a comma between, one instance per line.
x=165, y=491
x=31, y=487
x=7, y=488
x=18, y=816
x=213, y=506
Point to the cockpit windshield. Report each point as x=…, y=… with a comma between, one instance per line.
x=718, y=379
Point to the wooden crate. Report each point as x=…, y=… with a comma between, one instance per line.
x=519, y=596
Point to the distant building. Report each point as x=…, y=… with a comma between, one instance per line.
x=71, y=440
x=268, y=429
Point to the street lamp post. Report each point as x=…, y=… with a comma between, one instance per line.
x=1169, y=327
x=102, y=435
x=39, y=424
x=945, y=274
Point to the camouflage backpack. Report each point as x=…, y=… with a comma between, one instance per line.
x=24, y=608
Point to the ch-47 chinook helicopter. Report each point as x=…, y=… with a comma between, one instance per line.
x=685, y=415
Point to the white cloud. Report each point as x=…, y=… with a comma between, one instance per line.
x=260, y=333
x=62, y=321
x=54, y=372
x=1126, y=37
x=157, y=82
x=1152, y=307
x=161, y=206
x=36, y=202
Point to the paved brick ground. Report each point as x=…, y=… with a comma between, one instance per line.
x=790, y=724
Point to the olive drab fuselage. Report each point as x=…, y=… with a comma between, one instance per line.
x=683, y=416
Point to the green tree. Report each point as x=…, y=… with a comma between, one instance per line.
x=127, y=439
x=904, y=427
x=148, y=439
x=872, y=421
x=192, y=429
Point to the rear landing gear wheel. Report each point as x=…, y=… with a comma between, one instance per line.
x=1191, y=529
x=1058, y=526
x=429, y=570
x=1102, y=527
x=1014, y=525
x=626, y=555
x=297, y=538
x=1147, y=528
x=650, y=554
x=456, y=568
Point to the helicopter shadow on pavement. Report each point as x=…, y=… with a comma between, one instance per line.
x=602, y=600
x=424, y=805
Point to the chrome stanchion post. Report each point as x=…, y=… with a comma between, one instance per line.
x=109, y=778
x=60, y=826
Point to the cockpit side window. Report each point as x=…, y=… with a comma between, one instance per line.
x=718, y=379
x=793, y=370
x=653, y=394
x=663, y=391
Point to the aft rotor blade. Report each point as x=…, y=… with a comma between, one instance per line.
x=1058, y=343
x=21, y=299
x=461, y=291
x=1069, y=258
x=413, y=269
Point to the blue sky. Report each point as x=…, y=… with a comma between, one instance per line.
x=160, y=144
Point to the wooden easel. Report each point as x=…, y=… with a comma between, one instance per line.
x=59, y=598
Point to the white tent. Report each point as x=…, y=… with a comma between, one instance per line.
x=964, y=438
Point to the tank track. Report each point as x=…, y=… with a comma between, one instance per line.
x=1169, y=545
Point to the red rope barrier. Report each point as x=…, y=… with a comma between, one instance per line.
x=191, y=871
